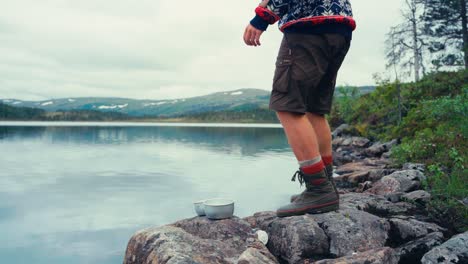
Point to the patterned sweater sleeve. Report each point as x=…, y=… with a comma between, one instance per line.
x=268, y=12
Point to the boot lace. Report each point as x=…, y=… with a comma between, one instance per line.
x=300, y=176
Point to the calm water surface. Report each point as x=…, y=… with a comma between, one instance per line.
x=75, y=193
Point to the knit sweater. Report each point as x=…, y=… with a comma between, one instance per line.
x=306, y=16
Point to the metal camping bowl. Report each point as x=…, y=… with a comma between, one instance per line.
x=200, y=207
x=219, y=208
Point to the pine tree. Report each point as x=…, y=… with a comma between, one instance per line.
x=445, y=24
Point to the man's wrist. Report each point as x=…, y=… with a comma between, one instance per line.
x=259, y=23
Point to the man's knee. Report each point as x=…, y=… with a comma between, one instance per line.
x=293, y=115
x=315, y=115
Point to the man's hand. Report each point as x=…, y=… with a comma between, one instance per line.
x=264, y=3
x=252, y=35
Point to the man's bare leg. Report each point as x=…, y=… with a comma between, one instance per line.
x=323, y=133
x=324, y=140
x=301, y=135
x=319, y=195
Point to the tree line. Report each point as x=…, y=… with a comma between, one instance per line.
x=258, y=115
x=432, y=36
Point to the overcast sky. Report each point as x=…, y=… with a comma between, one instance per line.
x=157, y=49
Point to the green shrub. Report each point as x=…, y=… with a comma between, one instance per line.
x=433, y=130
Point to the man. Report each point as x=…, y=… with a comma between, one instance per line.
x=317, y=36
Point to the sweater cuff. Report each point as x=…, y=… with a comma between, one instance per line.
x=259, y=23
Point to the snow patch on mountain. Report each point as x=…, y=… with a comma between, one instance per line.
x=71, y=100
x=17, y=102
x=47, y=103
x=237, y=93
x=151, y=104
x=112, y=106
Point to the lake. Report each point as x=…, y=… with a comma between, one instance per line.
x=76, y=192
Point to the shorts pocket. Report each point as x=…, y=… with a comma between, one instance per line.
x=282, y=75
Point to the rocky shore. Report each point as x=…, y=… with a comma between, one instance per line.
x=381, y=220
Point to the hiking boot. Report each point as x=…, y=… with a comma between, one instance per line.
x=329, y=169
x=319, y=196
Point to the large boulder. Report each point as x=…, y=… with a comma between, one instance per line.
x=351, y=231
x=340, y=130
x=384, y=255
x=413, y=251
x=419, y=197
x=375, y=204
x=357, y=142
x=404, y=229
x=455, y=250
x=399, y=181
x=353, y=173
x=414, y=166
x=292, y=239
x=298, y=238
x=254, y=255
x=377, y=149
x=195, y=240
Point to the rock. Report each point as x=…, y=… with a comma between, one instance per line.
x=394, y=197
x=346, y=142
x=261, y=219
x=351, y=230
x=194, y=240
x=384, y=255
x=363, y=165
x=386, y=208
x=414, y=166
x=387, y=155
x=364, y=186
x=399, y=181
x=377, y=149
x=358, y=142
x=352, y=167
x=455, y=250
x=413, y=251
x=292, y=239
x=342, y=157
x=375, y=204
x=339, y=130
x=256, y=256
x=404, y=229
x=338, y=141
x=353, y=173
x=420, y=196
x=377, y=174
x=351, y=179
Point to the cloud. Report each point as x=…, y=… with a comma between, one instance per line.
x=143, y=49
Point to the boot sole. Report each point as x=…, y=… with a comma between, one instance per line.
x=311, y=209
x=297, y=196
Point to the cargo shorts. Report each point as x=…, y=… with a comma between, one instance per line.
x=306, y=70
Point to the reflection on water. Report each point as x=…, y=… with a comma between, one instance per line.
x=249, y=140
x=77, y=194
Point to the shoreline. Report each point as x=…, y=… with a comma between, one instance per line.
x=134, y=124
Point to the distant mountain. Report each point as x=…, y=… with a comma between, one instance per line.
x=238, y=100
x=232, y=101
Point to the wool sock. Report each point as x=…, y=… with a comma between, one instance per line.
x=312, y=166
x=327, y=160
x=306, y=163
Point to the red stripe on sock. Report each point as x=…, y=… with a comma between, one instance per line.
x=327, y=160
x=314, y=168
